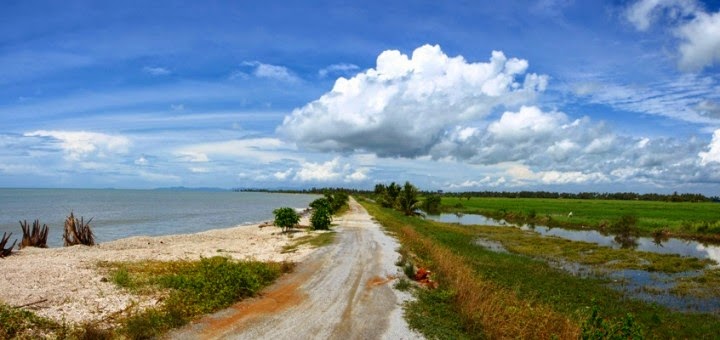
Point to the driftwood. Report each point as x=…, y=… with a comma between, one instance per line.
x=6, y=251
x=78, y=231
x=35, y=238
x=31, y=303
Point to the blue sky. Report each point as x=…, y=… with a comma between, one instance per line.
x=452, y=95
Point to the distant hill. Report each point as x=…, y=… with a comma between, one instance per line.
x=190, y=189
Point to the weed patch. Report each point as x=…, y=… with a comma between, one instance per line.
x=314, y=240
x=190, y=289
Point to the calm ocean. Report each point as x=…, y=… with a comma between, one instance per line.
x=122, y=213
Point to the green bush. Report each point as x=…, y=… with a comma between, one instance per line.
x=321, y=219
x=431, y=204
x=286, y=218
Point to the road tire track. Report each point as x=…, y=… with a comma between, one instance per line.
x=342, y=291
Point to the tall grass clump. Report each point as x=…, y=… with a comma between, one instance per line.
x=77, y=231
x=3, y=250
x=35, y=237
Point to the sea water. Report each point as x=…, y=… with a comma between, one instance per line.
x=123, y=213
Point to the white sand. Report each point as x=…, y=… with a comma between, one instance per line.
x=72, y=287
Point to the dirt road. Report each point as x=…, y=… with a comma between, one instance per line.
x=342, y=291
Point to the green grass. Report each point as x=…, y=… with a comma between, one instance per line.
x=433, y=314
x=536, y=282
x=187, y=290
x=22, y=324
x=193, y=288
x=315, y=240
x=699, y=219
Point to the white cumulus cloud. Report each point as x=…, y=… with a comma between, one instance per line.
x=701, y=41
x=713, y=153
x=332, y=170
x=404, y=105
x=697, y=29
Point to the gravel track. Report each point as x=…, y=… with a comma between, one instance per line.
x=341, y=291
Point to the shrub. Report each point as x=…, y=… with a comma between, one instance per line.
x=431, y=204
x=322, y=202
x=321, y=219
x=286, y=218
x=595, y=327
x=78, y=231
x=6, y=251
x=35, y=238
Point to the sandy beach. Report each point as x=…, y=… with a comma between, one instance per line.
x=65, y=284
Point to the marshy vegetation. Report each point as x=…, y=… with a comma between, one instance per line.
x=488, y=294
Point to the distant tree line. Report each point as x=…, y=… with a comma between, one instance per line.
x=313, y=190
x=628, y=196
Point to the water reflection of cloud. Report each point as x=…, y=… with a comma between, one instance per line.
x=713, y=252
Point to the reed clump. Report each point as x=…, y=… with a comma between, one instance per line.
x=77, y=231
x=37, y=237
x=6, y=251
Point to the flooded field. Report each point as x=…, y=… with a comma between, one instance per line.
x=675, y=273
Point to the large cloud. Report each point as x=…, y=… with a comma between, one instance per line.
x=405, y=105
x=698, y=30
x=701, y=41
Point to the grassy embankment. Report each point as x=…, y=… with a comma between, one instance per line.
x=491, y=295
x=693, y=220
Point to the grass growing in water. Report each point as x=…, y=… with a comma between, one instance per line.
x=528, y=243
x=521, y=284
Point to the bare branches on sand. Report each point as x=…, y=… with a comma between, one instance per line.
x=77, y=231
x=35, y=238
x=6, y=251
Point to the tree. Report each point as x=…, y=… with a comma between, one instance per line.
x=286, y=218
x=322, y=202
x=407, y=200
x=391, y=195
x=321, y=219
x=431, y=204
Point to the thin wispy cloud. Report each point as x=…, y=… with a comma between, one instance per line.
x=334, y=69
x=156, y=71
